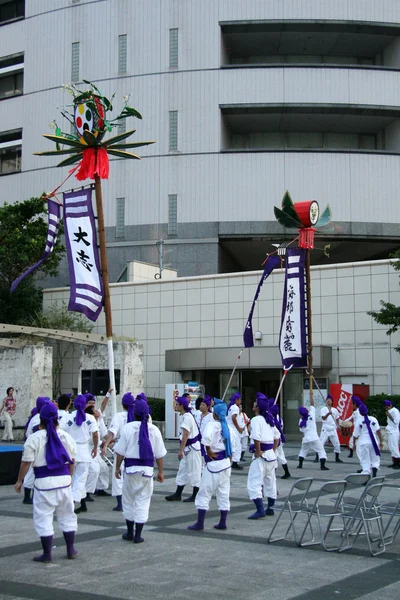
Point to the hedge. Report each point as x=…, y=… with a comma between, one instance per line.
x=157, y=406
x=376, y=407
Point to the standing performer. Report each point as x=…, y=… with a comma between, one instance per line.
x=244, y=422
x=31, y=426
x=354, y=418
x=280, y=454
x=63, y=404
x=204, y=414
x=83, y=429
x=366, y=434
x=189, y=453
x=311, y=441
x=232, y=420
x=119, y=420
x=261, y=479
x=9, y=407
x=330, y=422
x=139, y=444
x=51, y=452
x=216, y=475
x=392, y=427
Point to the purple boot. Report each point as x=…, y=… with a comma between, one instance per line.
x=260, y=512
x=47, y=543
x=69, y=537
x=199, y=525
x=222, y=520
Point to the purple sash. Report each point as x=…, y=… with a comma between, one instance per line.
x=44, y=471
x=138, y=462
x=192, y=441
x=264, y=447
x=35, y=429
x=220, y=456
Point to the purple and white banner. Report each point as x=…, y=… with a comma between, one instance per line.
x=53, y=218
x=86, y=293
x=272, y=263
x=293, y=338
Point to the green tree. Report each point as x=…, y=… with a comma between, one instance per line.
x=389, y=314
x=60, y=318
x=23, y=230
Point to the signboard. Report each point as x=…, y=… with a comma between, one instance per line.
x=172, y=391
x=342, y=394
x=319, y=401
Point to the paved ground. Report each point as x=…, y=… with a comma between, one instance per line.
x=174, y=563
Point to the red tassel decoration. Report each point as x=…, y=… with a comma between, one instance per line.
x=102, y=164
x=87, y=165
x=306, y=237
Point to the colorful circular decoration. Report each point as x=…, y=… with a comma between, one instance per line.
x=84, y=118
x=308, y=212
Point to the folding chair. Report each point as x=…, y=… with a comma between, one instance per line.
x=322, y=511
x=361, y=518
x=292, y=506
x=391, y=510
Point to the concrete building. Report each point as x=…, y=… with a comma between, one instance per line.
x=245, y=99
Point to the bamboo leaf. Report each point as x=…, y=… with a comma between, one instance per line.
x=63, y=140
x=122, y=154
x=70, y=160
x=325, y=217
x=57, y=152
x=118, y=138
x=89, y=138
x=130, y=145
x=284, y=219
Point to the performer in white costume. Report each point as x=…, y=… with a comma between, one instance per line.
x=392, y=427
x=354, y=417
x=261, y=479
x=216, y=475
x=330, y=422
x=280, y=454
x=51, y=452
x=84, y=430
x=368, y=437
x=31, y=426
x=311, y=441
x=189, y=455
x=232, y=420
x=139, y=445
x=244, y=422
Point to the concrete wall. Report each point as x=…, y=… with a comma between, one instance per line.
x=29, y=371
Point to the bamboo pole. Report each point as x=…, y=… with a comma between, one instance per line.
x=104, y=274
x=309, y=326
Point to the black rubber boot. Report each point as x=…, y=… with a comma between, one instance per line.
x=301, y=460
x=118, y=508
x=396, y=463
x=89, y=498
x=241, y=457
x=27, y=496
x=128, y=536
x=192, y=498
x=82, y=507
x=337, y=458
x=374, y=471
x=316, y=459
x=138, y=531
x=236, y=466
x=287, y=474
x=350, y=453
x=177, y=496
x=323, y=467
x=270, y=510
x=393, y=463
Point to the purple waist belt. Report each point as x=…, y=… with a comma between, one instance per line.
x=139, y=462
x=264, y=447
x=44, y=471
x=192, y=441
x=220, y=456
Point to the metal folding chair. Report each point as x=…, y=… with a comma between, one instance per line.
x=321, y=510
x=361, y=519
x=293, y=506
x=392, y=511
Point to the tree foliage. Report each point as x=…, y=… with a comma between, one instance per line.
x=389, y=315
x=23, y=230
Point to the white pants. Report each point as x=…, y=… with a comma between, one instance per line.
x=29, y=479
x=94, y=472
x=136, y=496
x=190, y=469
x=50, y=502
x=351, y=443
x=79, y=480
x=393, y=443
x=236, y=445
x=280, y=455
x=116, y=484
x=103, y=481
x=244, y=442
x=261, y=480
x=330, y=434
x=214, y=483
x=367, y=457
x=314, y=446
x=8, y=426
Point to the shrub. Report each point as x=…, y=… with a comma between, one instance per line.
x=376, y=407
x=157, y=406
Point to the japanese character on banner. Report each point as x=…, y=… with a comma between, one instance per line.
x=86, y=284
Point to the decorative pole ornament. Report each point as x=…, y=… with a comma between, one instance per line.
x=89, y=148
x=296, y=327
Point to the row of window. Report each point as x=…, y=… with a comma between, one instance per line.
x=172, y=216
x=11, y=10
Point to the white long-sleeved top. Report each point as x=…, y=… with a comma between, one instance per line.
x=128, y=446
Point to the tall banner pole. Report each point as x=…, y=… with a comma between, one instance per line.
x=107, y=300
x=309, y=323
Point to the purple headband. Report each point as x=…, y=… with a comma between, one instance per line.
x=34, y=412
x=364, y=413
x=233, y=398
x=329, y=397
x=304, y=414
x=356, y=400
x=183, y=401
x=207, y=400
x=263, y=405
x=128, y=400
x=56, y=454
x=80, y=404
x=141, y=410
x=388, y=403
x=89, y=397
x=41, y=401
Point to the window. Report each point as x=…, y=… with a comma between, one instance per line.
x=75, y=62
x=172, y=214
x=11, y=76
x=10, y=151
x=173, y=48
x=11, y=10
x=122, y=54
x=122, y=126
x=173, y=130
x=120, y=218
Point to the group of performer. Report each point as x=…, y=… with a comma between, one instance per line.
x=61, y=459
